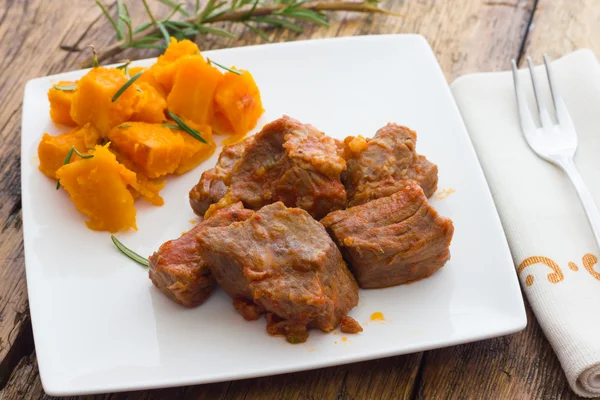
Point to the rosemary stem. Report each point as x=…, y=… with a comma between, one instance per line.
x=241, y=15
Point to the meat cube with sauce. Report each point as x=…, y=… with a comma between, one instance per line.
x=381, y=166
x=179, y=268
x=212, y=187
x=287, y=161
x=392, y=240
x=282, y=262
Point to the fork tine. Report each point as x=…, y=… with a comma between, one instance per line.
x=551, y=80
x=527, y=122
x=541, y=105
x=562, y=113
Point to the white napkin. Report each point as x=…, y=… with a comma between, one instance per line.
x=540, y=211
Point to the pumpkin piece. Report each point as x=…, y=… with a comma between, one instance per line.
x=151, y=105
x=98, y=187
x=148, y=189
x=193, y=91
x=153, y=148
x=148, y=77
x=53, y=150
x=238, y=105
x=60, y=103
x=92, y=102
x=165, y=68
x=194, y=151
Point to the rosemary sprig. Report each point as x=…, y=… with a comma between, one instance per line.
x=172, y=126
x=125, y=67
x=232, y=70
x=197, y=20
x=128, y=252
x=95, y=62
x=65, y=88
x=68, y=159
x=183, y=126
x=126, y=85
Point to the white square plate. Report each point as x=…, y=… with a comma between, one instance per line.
x=100, y=325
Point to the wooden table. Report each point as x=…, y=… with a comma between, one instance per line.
x=466, y=35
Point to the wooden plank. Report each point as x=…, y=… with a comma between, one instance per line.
x=562, y=26
x=512, y=367
x=472, y=36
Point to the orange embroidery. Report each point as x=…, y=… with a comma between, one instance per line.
x=573, y=266
x=554, y=277
x=589, y=260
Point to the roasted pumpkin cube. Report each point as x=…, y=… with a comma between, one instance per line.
x=194, y=151
x=148, y=77
x=148, y=189
x=153, y=148
x=166, y=66
x=99, y=188
x=238, y=105
x=53, y=150
x=193, y=91
x=60, y=103
x=92, y=102
x=151, y=105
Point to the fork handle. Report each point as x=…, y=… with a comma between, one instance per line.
x=589, y=205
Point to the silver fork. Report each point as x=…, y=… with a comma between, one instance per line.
x=555, y=143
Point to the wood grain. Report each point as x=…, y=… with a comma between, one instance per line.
x=466, y=36
x=562, y=26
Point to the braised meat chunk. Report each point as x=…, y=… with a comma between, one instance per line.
x=392, y=240
x=212, y=185
x=282, y=262
x=381, y=166
x=294, y=163
x=179, y=269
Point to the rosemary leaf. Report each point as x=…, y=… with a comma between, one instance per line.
x=126, y=85
x=306, y=15
x=172, y=126
x=191, y=131
x=216, y=31
x=147, y=7
x=124, y=126
x=129, y=31
x=147, y=40
x=257, y=31
x=125, y=68
x=164, y=32
x=68, y=159
x=120, y=25
x=128, y=252
x=95, y=55
x=173, y=12
x=284, y=23
x=251, y=11
x=148, y=46
x=65, y=88
x=174, y=6
x=142, y=27
x=109, y=18
x=208, y=8
x=234, y=71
